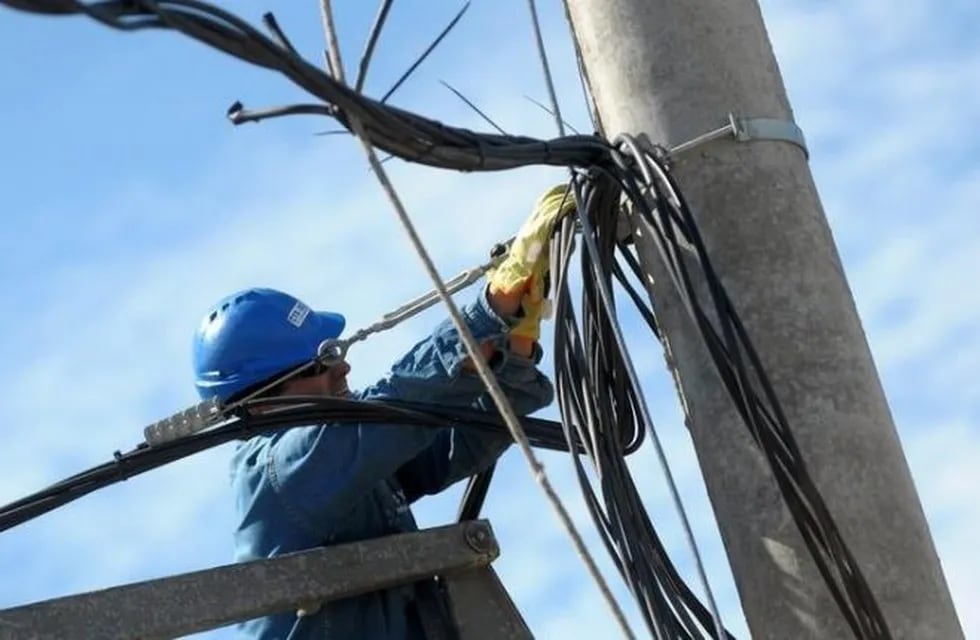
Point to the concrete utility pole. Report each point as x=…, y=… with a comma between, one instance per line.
x=675, y=69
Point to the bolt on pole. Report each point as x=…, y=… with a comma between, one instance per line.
x=674, y=70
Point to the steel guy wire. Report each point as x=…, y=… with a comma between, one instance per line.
x=583, y=76
x=542, y=54
x=338, y=347
x=473, y=349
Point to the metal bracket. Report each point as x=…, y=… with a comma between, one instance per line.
x=748, y=129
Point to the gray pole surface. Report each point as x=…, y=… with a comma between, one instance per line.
x=674, y=69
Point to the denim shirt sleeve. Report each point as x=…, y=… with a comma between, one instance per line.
x=320, y=472
x=458, y=453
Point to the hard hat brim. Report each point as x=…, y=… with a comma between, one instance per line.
x=331, y=325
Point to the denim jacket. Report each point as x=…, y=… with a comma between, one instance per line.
x=304, y=487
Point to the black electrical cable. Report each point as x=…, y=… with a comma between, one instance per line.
x=599, y=405
x=762, y=415
x=300, y=410
x=389, y=128
x=600, y=410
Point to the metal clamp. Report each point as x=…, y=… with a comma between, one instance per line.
x=748, y=129
x=184, y=423
x=335, y=350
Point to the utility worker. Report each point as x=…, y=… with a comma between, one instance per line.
x=303, y=487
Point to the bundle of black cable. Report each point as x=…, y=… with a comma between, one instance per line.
x=658, y=208
x=601, y=412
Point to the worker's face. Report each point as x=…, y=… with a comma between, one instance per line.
x=335, y=380
x=331, y=383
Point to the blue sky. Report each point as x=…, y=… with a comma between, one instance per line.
x=130, y=204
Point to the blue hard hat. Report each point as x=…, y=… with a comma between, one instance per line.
x=252, y=335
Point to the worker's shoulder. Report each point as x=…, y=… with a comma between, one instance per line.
x=255, y=451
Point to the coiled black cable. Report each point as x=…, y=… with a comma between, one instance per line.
x=600, y=412
x=667, y=217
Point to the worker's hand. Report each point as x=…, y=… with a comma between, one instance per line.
x=519, y=281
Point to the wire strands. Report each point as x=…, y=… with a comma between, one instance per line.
x=657, y=206
x=483, y=370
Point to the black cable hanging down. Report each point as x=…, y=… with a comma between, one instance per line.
x=601, y=415
x=656, y=202
x=665, y=214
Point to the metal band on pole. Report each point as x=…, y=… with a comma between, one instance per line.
x=747, y=130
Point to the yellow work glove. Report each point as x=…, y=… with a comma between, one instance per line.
x=526, y=265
